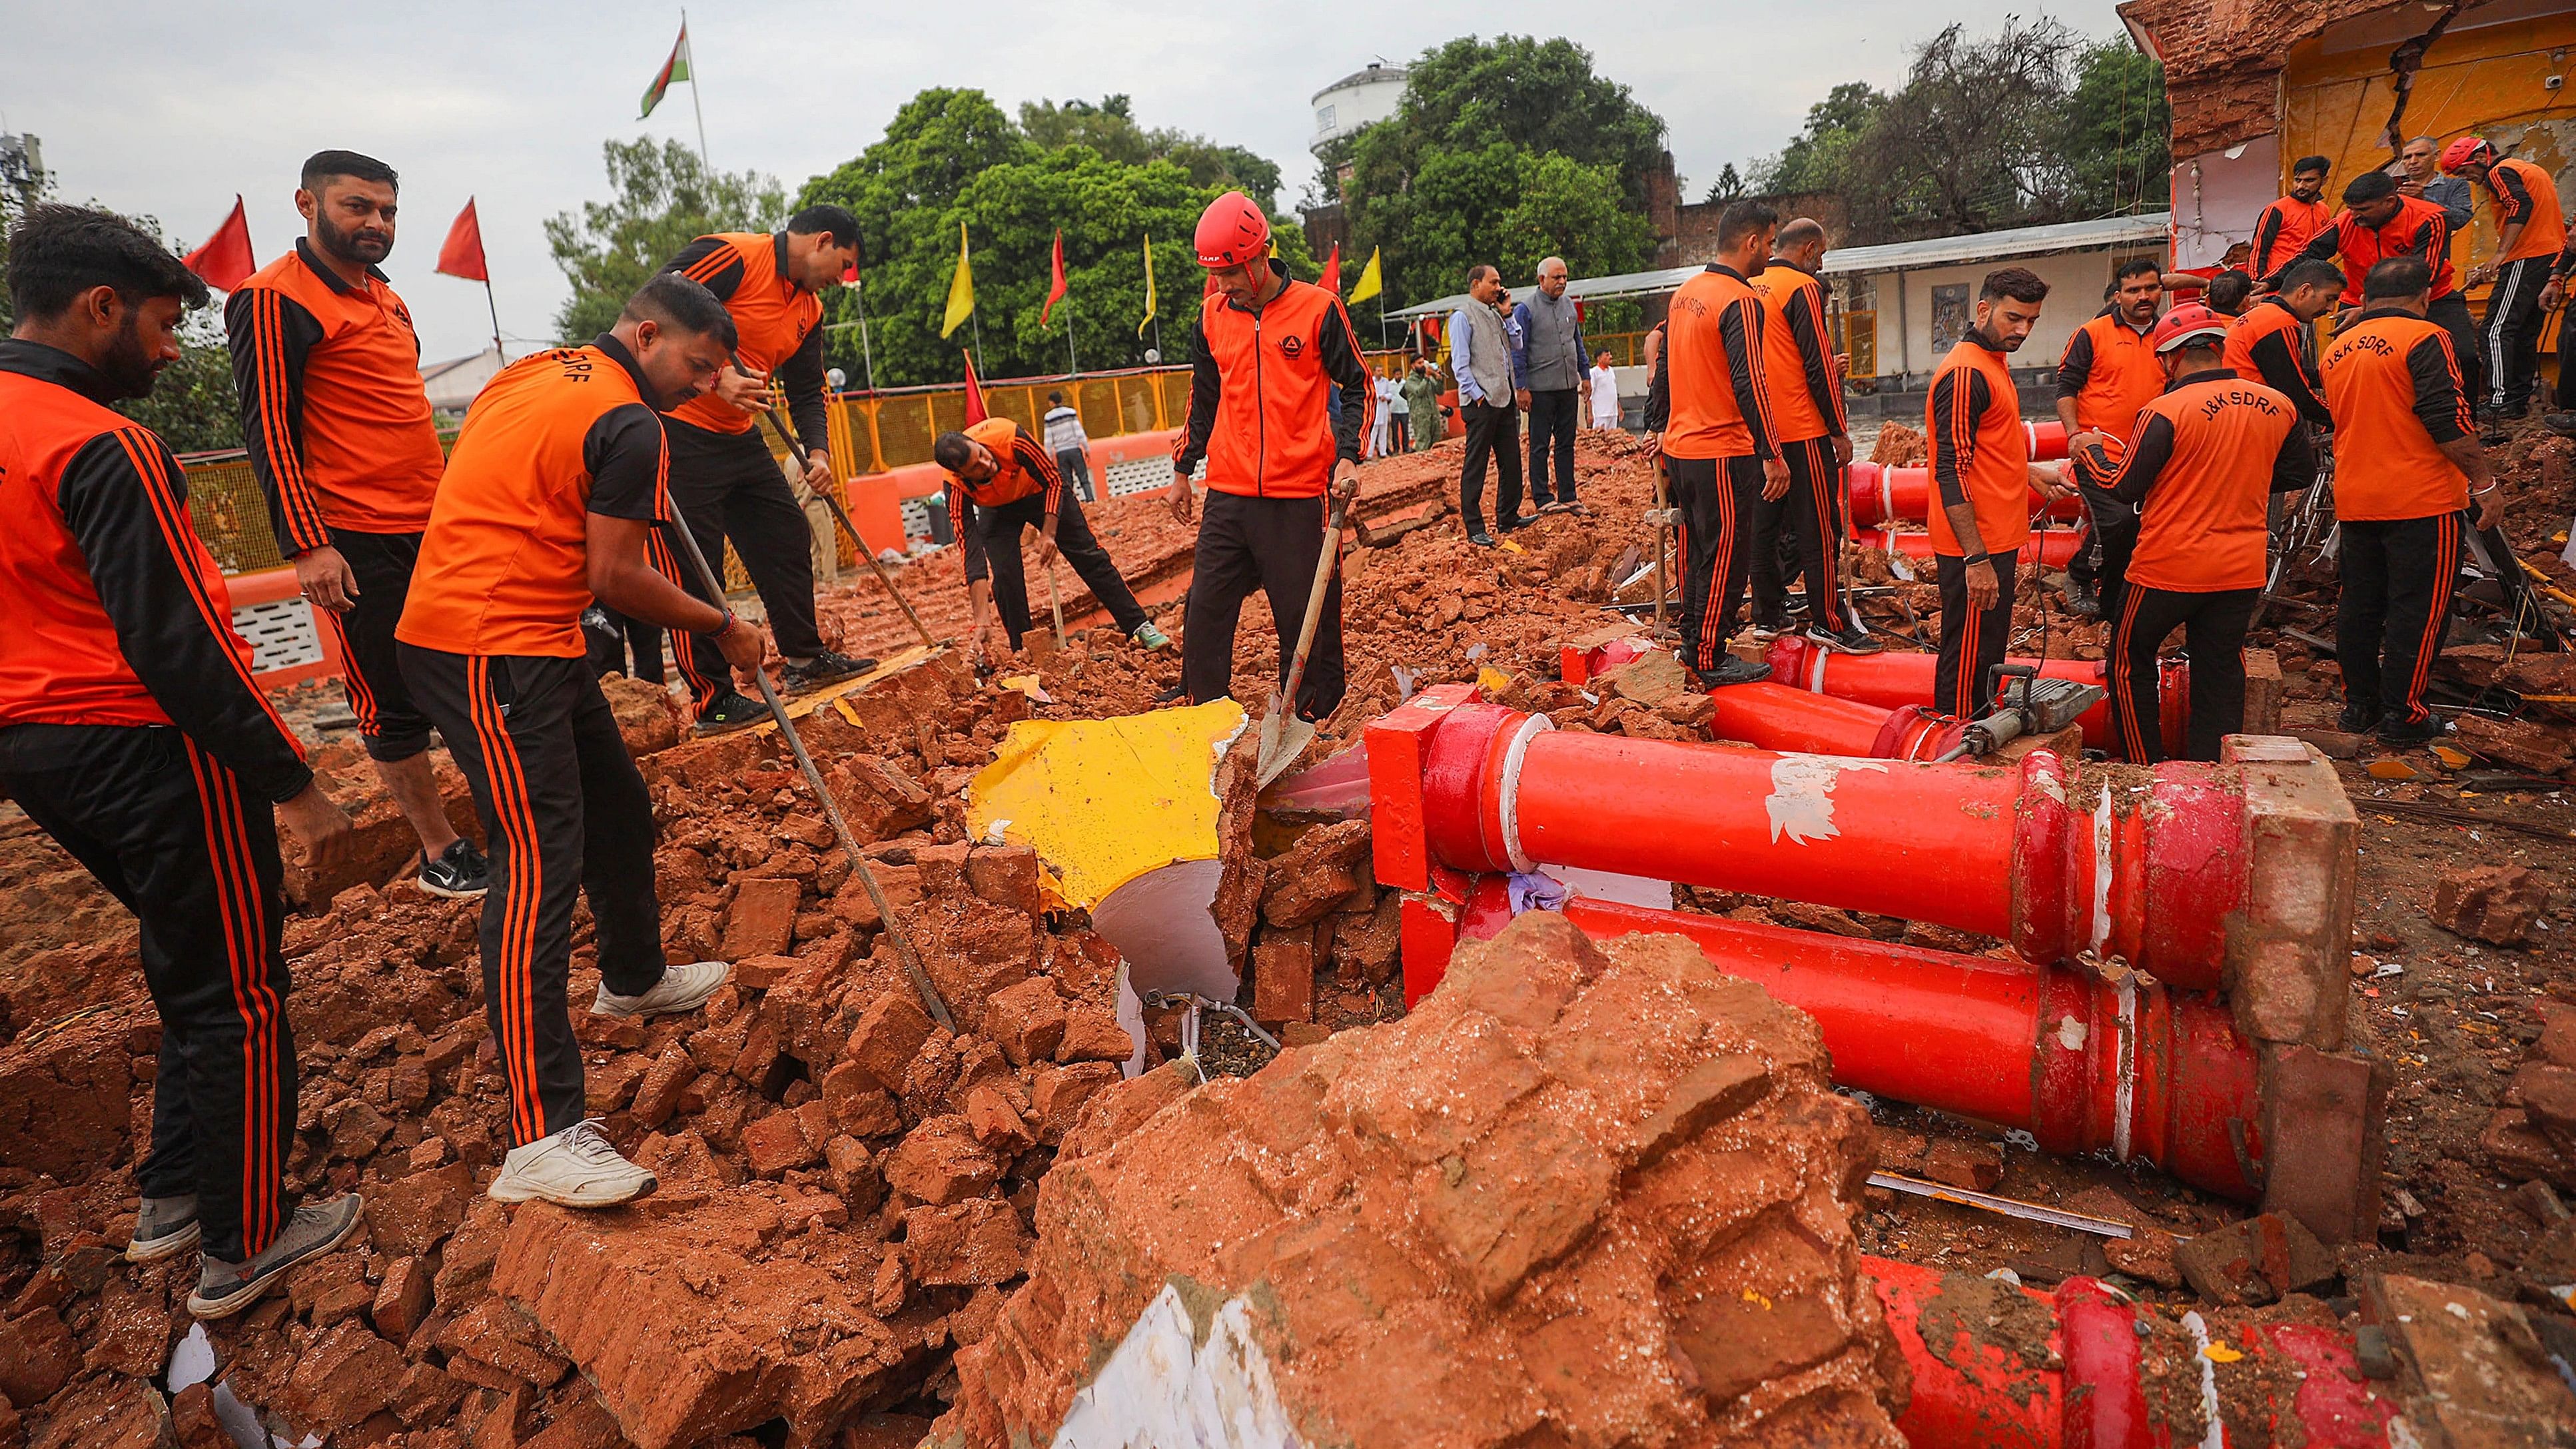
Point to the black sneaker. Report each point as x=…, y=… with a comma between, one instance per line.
x=732, y=710
x=1481, y=539
x=1767, y=630
x=2563, y=424
x=224, y=1289
x=824, y=668
x=2399, y=735
x=1850, y=639
x=460, y=873
x=2358, y=719
x=2083, y=601
x=1731, y=670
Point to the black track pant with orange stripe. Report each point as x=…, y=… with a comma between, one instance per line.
x=1972, y=640
x=2213, y=626
x=564, y=814
x=2397, y=576
x=389, y=725
x=729, y=488
x=1796, y=536
x=1717, y=501
x=171, y=834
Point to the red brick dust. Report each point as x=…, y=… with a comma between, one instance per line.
x=1581, y=1196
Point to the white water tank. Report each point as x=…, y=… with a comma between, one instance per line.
x=1358, y=99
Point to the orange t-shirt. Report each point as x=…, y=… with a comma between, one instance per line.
x=2284, y=229
x=1798, y=354
x=1714, y=362
x=2203, y=463
x=2528, y=194
x=2111, y=371
x=1980, y=452
x=333, y=412
x=504, y=568
x=2395, y=391
x=772, y=317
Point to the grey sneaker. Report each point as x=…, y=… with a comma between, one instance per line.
x=682, y=988
x=576, y=1167
x=224, y=1289
x=163, y=1227
x=1149, y=637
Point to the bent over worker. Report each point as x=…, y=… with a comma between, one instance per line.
x=722, y=476
x=132, y=732
x=553, y=496
x=2202, y=464
x=1981, y=469
x=1014, y=484
x=2407, y=464
x=342, y=443
x=1264, y=359
x=2530, y=233
x=2274, y=342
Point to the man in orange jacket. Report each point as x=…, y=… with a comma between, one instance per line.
x=2530, y=233
x=1264, y=358
x=1012, y=483
x=2407, y=464
x=2202, y=463
x=133, y=733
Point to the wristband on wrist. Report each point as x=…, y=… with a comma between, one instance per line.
x=1976, y=558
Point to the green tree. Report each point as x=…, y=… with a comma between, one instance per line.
x=1729, y=185
x=1493, y=130
x=1816, y=158
x=662, y=196
x=1973, y=141
x=1110, y=128
x=952, y=156
x=2117, y=123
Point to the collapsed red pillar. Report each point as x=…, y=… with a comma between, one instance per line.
x=2083, y=1065
x=2105, y=1373
x=1780, y=717
x=1887, y=497
x=2145, y=867
x=1895, y=680
x=2047, y=547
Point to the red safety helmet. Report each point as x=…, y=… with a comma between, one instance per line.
x=2463, y=151
x=1232, y=231
x=2185, y=323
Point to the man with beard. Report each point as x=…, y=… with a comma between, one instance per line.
x=2287, y=225
x=1981, y=469
x=132, y=732
x=2107, y=373
x=342, y=444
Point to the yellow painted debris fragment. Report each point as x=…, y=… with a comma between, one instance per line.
x=2219, y=1352
x=1104, y=801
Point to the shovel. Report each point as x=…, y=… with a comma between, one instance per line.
x=1283, y=735
x=1055, y=601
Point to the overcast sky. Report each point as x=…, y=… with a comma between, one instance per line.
x=169, y=109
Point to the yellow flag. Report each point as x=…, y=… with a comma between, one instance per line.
x=1370, y=284
x=1148, y=319
x=961, y=288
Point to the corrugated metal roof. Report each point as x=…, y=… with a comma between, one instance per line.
x=1984, y=246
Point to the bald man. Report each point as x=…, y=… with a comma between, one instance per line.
x=1556, y=384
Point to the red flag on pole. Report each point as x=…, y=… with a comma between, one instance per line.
x=225, y=260
x=975, y=412
x=461, y=255
x=1055, y=288
x=1331, y=281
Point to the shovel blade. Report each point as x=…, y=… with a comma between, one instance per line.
x=1284, y=737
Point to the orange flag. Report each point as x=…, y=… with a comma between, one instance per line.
x=975, y=411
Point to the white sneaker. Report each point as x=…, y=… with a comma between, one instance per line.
x=575, y=1168
x=682, y=988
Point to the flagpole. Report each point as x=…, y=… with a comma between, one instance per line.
x=496, y=316
x=866, y=349
x=694, y=107
x=1072, y=367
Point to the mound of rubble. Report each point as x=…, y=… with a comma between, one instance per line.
x=1579, y=1197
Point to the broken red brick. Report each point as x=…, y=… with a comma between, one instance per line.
x=2497, y=904
x=941, y=1162
x=889, y=1035
x=856, y=1105
x=1006, y=875
x=1283, y=982
x=962, y=1244
x=1026, y=1021
x=345, y=1377
x=1058, y=1095
x=762, y=919
x=777, y=1143
x=1092, y=1034
x=1308, y=880
x=876, y=799
x=998, y=1124
x=402, y=1300
x=414, y=1214
x=1977, y=1166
